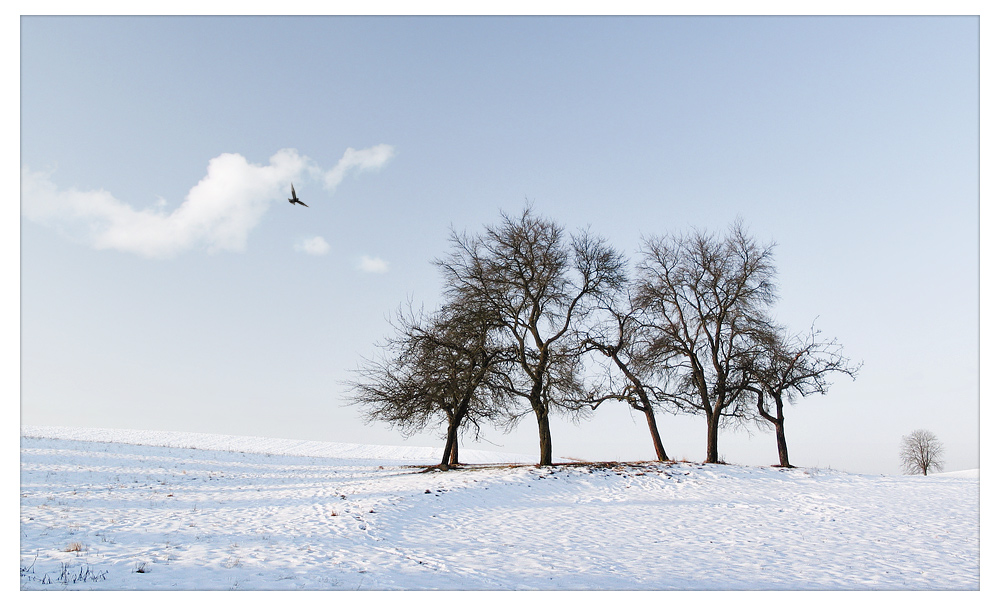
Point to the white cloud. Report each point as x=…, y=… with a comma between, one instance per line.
x=217, y=214
x=313, y=246
x=372, y=158
x=372, y=265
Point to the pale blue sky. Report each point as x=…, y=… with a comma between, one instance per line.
x=850, y=142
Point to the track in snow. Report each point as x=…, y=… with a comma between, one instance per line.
x=208, y=519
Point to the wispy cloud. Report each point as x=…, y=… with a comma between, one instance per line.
x=217, y=214
x=313, y=246
x=372, y=265
x=357, y=160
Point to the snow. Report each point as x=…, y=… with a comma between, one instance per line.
x=114, y=510
x=272, y=446
x=965, y=473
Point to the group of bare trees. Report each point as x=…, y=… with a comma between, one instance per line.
x=536, y=322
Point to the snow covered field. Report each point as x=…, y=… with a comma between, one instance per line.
x=110, y=509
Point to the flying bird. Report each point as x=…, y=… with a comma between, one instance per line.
x=295, y=199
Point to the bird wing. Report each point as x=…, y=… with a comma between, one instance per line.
x=293, y=191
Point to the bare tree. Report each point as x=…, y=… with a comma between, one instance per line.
x=921, y=452
x=621, y=338
x=705, y=298
x=538, y=284
x=446, y=367
x=792, y=366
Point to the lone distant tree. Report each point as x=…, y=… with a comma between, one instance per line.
x=539, y=285
x=921, y=452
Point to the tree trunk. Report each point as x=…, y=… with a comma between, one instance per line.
x=779, y=425
x=450, y=445
x=454, y=450
x=450, y=456
x=544, y=436
x=713, y=437
x=661, y=454
x=645, y=407
x=541, y=411
x=779, y=432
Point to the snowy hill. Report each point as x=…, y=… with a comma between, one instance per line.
x=272, y=446
x=106, y=510
x=965, y=473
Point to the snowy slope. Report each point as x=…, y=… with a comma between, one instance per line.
x=273, y=446
x=111, y=514
x=965, y=473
